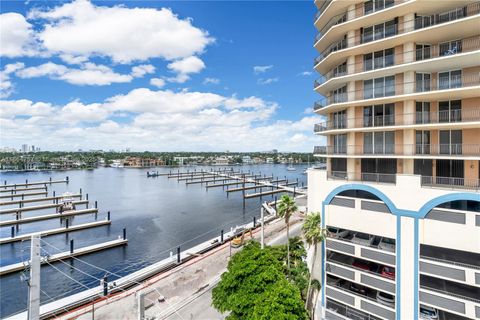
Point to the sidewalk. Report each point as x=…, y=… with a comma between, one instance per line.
x=185, y=291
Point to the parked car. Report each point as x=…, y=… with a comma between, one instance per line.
x=358, y=289
x=363, y=239
x=387, y=244
x=388, y=272
x=428, y=313
x=335, y=281
x=337, y=232
x=386, y=299
x=360, y=264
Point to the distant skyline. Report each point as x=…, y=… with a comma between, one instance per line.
x=162, y=76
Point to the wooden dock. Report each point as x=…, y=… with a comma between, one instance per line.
x=22, y=195
x=40, y=207
x=66, y=255
x=39, y=199
x=26, y=184
x=226, y=184
x=47, y=217
x=23, y=189
x=266, y=193
x=249, y=188
x=50, y=232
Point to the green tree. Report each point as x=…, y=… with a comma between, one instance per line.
x=286, y=208
x=313, y=233
x=253, y=284
x=316, y=286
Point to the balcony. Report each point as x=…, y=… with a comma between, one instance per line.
x=386, y=92
x=394, y=29
x=402, y=150
x=362, y=176
x=424, y=54
x=417, y=119
x=451, y=183
x=337, y=310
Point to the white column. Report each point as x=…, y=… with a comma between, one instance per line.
x=351, y=12
x=34, y=282
x=406, y=269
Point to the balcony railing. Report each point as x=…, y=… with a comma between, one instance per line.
x=401, y=28
x=426, y=53
x=395, y=88
x=433, y=150
x=362, y=176
x=322, y=8
x=404, y=119
x=451, y=182
x=347, y=311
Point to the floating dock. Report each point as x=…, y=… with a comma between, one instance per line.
x=66, y=255
x=26, y=184
x=47, y=217
x=24, y=189
x=50, y=232
x=22, y=195
x=40, y=207
x=40, y=199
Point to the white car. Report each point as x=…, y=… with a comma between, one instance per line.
x=385, y=299
x=387, y=244
x=428, y=313
x=363, y=239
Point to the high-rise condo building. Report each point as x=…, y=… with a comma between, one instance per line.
x=400, y=195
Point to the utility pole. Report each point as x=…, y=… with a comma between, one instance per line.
x=141, y=306
x=34, y=281
x=262, y=234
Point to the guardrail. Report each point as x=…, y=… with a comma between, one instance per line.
x=449, y=293
x=458, y=264
x=427, y=53
x=362, y=176
x=396, y=28
x=451, y=182
x=416, y=118
x=403, y=149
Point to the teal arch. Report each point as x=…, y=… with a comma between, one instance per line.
x=425, y=209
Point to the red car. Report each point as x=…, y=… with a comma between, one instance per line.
x=361, y=265
x=388, y=272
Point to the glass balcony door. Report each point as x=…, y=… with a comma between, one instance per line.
x=422, y=112
x=450, y=142
x=450, y=111
x=423, y=82
x=449, y=79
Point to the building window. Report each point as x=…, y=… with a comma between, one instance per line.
x=340, y=144
x=379, y=115
x=422, y=142
x=378, y=59
x=422, y=52
x=379, y=31
x=422, y=114
x=449, y=169
x=340, y=70
x=379, y=142
x=450, y=79
x=339, y=95
x=450, y=47
x=450, y=111
x=450, y=142
x=371, y=6
x=423, y=81
x=379, y=87
x=339, y=119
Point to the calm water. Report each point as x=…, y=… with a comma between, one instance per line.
x=159, y=214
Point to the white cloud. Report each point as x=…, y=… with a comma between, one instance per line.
x=211, y=81
x=83, y=29
x=267, y=81
x=6, y=85
x=261, y=69
x=185, y=67
x=192, y=120
x=141, y=70
x=16, y=36
x=157, y=82
x=88, y=74
x=305, y=73
x=308, y=111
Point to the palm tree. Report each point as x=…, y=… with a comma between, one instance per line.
x=315, y=285
x=286, y=208
x=313, y=233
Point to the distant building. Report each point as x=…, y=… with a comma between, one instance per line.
x=24, y=148
x=269, y=160
x=221, y=161
x=247, y=160
x=137, y=162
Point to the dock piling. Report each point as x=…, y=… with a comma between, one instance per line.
x=71, y=246
x=105, y=285
x=254, y=221
x=108, y=215
x=221, y=236
x=66, y=223
x=96, y=204
x=12, y=232
x=124, y=233
x=67, y=179
x=178, y=254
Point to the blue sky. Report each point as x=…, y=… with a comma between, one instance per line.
x=161, y=76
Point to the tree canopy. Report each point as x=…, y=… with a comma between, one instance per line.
x=255, y=287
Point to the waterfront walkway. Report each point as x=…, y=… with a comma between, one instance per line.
x=183, y=292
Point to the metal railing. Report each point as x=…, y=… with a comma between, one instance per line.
x=451, y=262
x=362, y=176
x=395, y=88
x=349, y=312
x=401, y=28
x=451, y=183
x=403, y=119
x=322, y=8
x=357, y=268
x=453, y=149
x=426, y=53
x=449, y=293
